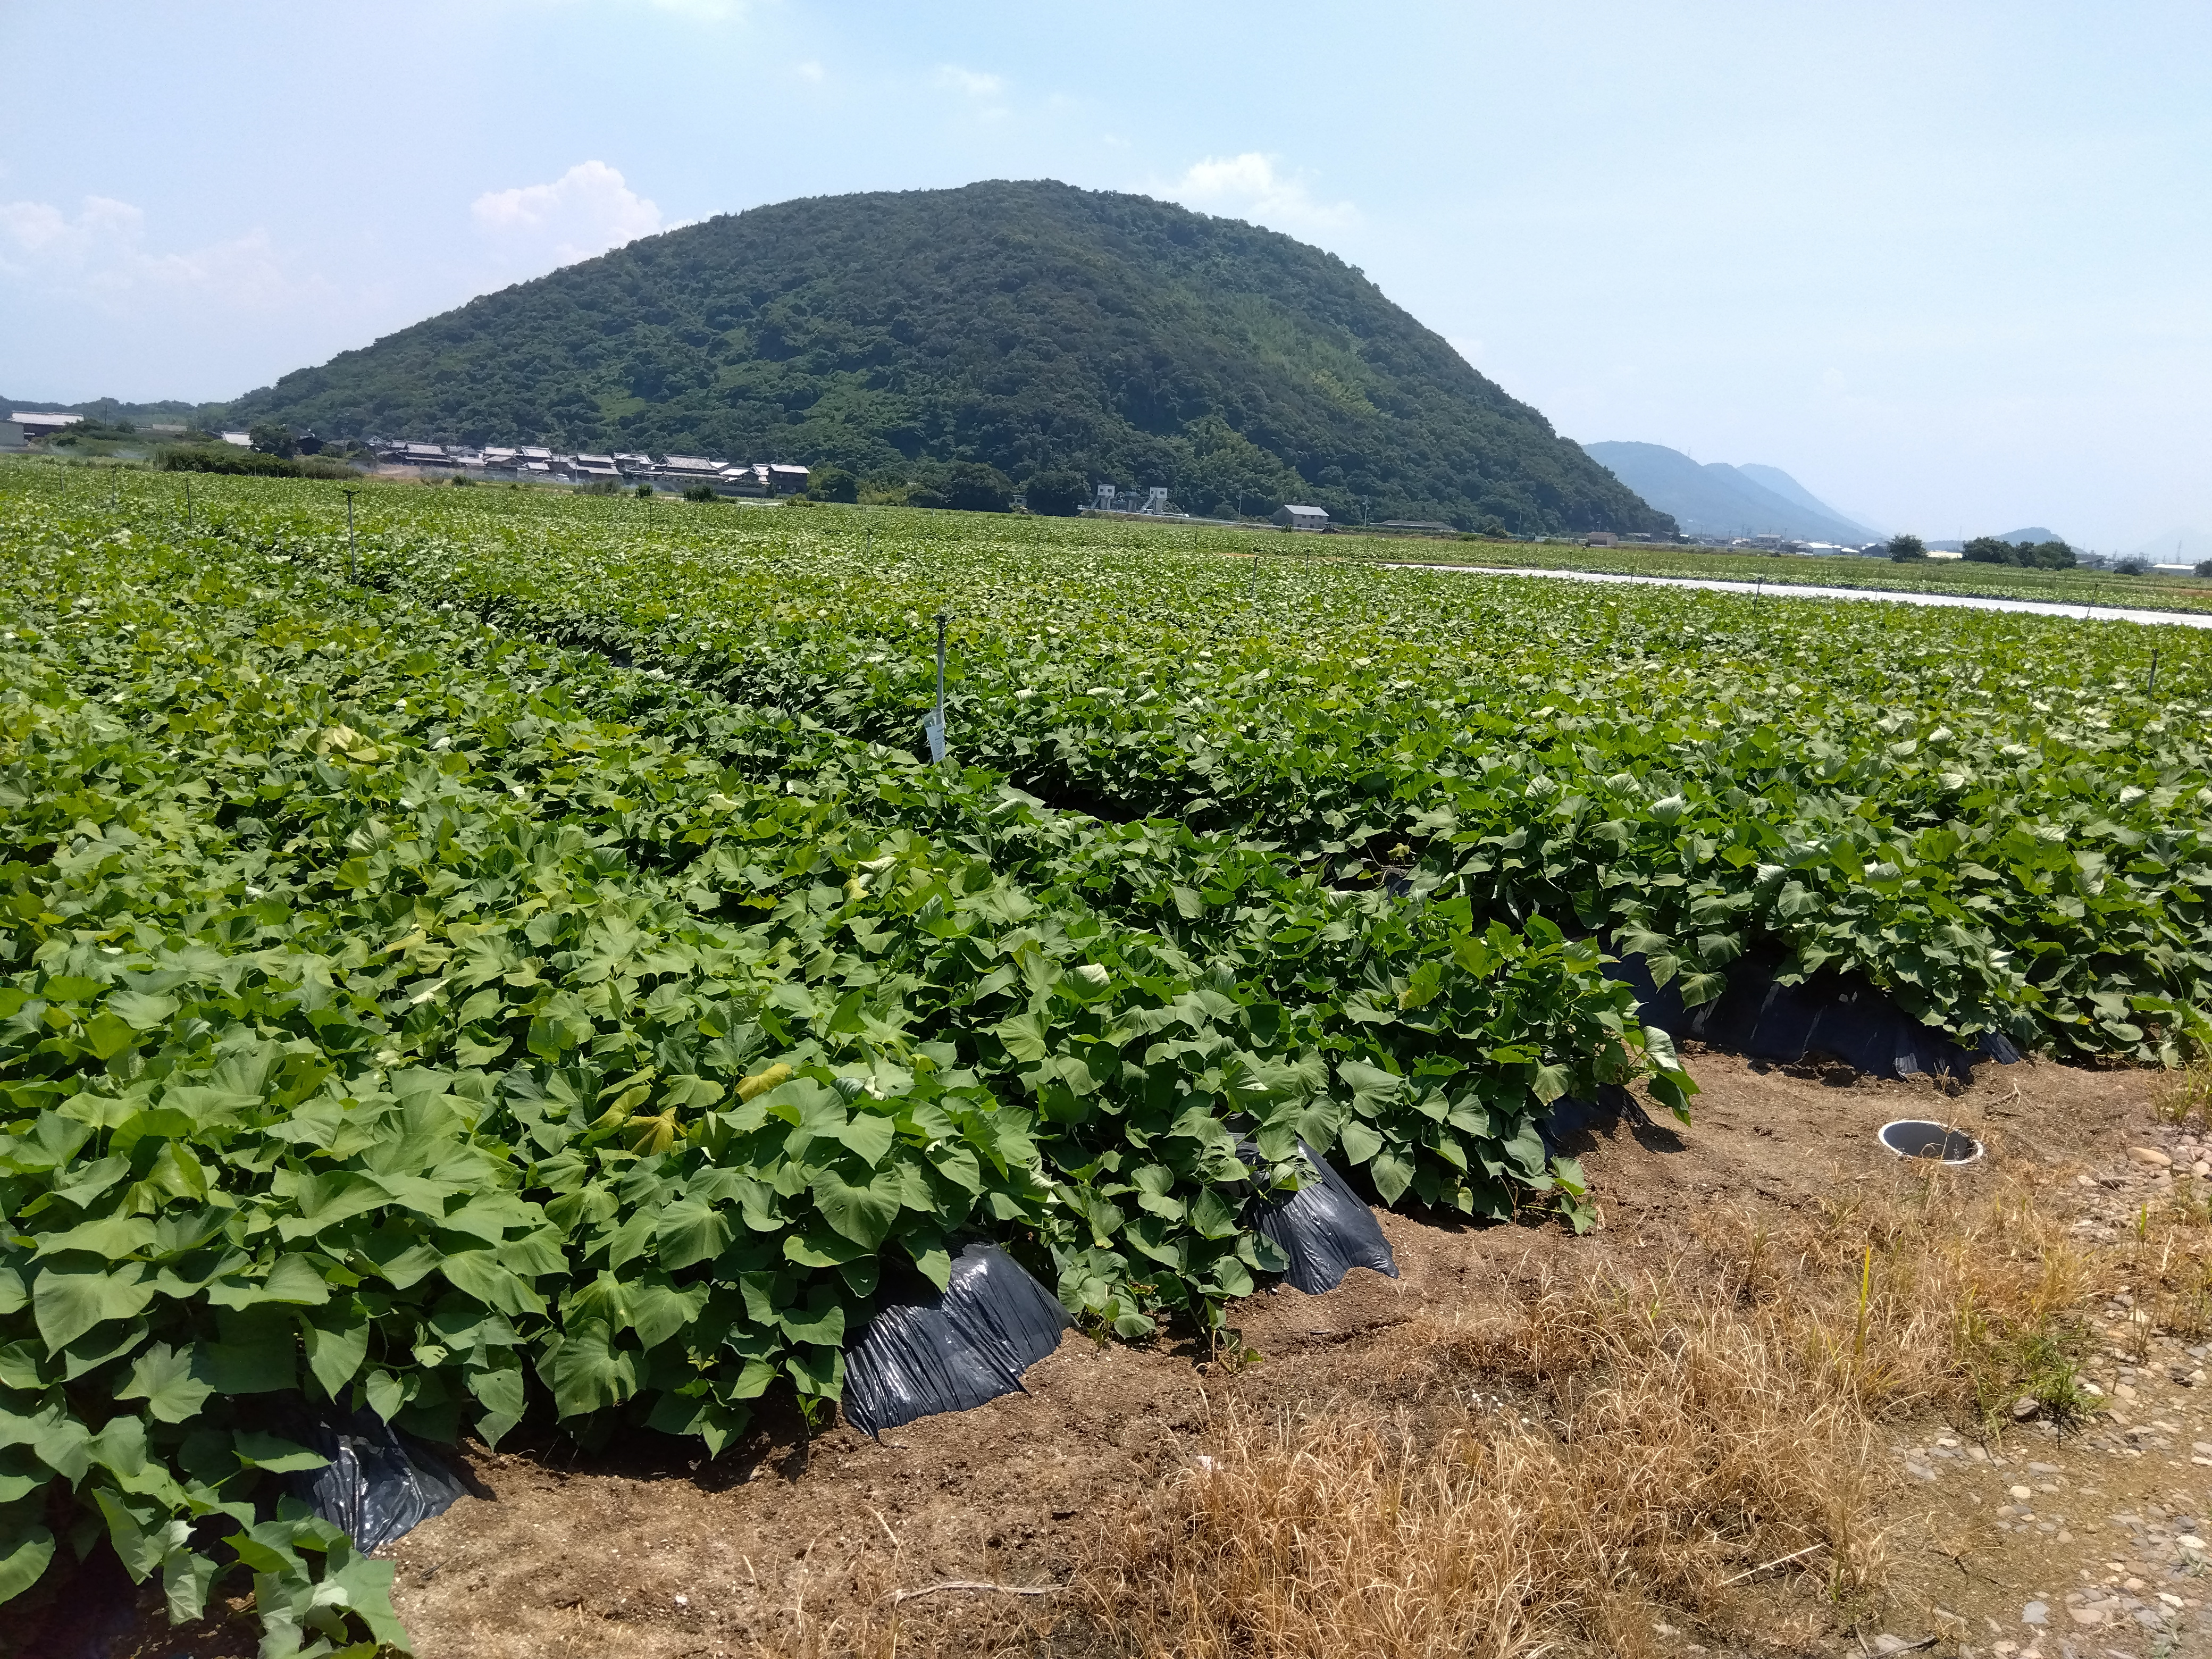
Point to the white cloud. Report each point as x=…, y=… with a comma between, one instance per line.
x=100, y=252
x=40, y=230
x=586, y=211
x=974, y=83
x=808, y=70
x=1249, y=186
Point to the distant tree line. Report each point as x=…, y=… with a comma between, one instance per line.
x=91, y=431
x=220, y=457
x=2033, y=555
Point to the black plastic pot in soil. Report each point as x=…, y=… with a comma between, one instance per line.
x=1910, y=1137
x=1838, y=1014
x=378, y=1485
x=1325, y=1228
x=930, y=1351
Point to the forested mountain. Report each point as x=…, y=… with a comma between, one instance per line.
x=1029, y=325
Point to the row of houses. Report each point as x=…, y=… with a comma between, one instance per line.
x=524, y=461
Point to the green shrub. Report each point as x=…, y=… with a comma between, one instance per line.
x=974, y=487
x=273, y=437
x=833, y=484
x=92, y=432
x=1058, y=493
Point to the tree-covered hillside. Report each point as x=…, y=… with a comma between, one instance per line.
x=1029, y=326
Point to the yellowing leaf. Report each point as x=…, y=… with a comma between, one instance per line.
x=656, y=1134
x=760, y=1082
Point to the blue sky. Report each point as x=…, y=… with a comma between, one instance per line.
x=1948, y=265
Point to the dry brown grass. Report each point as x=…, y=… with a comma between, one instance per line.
x=2169, y=1263
x=1699, y=1441
x=1665, y=1434
x=2185, y=1093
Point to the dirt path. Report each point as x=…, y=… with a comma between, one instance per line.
x=2042, y=1544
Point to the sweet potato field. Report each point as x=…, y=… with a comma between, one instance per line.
x=536, y=974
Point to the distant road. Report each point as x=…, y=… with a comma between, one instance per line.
x=1792, y=590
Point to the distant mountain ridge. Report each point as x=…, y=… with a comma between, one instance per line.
x=1716, y=499
x=1029, y=325
x=1774, y=478
x=2181, y=545
x=107, y=408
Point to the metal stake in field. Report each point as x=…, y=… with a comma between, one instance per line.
x=934, y=726
x=188, y=504
x=349, y=494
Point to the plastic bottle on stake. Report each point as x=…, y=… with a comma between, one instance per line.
x=932, y=726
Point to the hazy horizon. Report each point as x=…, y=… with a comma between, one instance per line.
x=1944, y=270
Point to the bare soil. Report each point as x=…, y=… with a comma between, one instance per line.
x=646, y=1551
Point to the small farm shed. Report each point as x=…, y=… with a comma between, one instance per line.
x=1300, y=517
x=33, y=424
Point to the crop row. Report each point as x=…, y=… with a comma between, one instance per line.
x=397, y=1013
x=1999, y=820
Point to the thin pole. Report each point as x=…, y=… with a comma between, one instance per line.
x=2151, y=691
x=188, y=503
x=940, y=668
x=349, y=552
